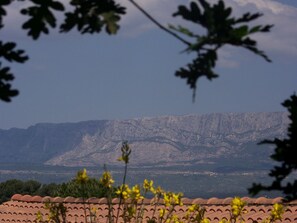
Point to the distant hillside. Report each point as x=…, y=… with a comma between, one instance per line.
x=168, y=140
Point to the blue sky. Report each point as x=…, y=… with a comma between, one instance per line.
x=71, y=78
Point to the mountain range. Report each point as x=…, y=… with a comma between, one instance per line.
x=158, y=141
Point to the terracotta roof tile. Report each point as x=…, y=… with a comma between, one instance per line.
x=46, y=199
x=69, y=199
x=199, y=201
x=227, y=200
x=23, y=208
x=36, y=199
x=213, y=200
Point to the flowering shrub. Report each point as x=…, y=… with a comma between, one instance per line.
x=131, y=203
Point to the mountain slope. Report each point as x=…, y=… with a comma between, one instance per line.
x=171, y=139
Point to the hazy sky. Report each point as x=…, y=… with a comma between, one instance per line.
x=71, y=77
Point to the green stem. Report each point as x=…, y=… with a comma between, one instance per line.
x=141, y=211
x=110, y=210
x=120, y=201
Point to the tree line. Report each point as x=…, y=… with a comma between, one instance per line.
x=92, y=188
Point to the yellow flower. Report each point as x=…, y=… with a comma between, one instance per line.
x=94, y=210
x=158, y=191
x=192, y=208
x=172, y=199
x=162, y=212
x=237, y=206
x=148, y=186
x=277, y=212
x=82, y=176
x=39, y=217
x=106, y=179
x=177, y=198
x=175, y=219
x=124, y=191
x=167, y=199
x=135, y=193
x=223, y=221
x=205, y=220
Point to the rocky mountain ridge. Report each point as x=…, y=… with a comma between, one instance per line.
x=171, y=140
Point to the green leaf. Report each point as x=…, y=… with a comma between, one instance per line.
x=57, y=6
x=240, y=32
x=182, y=30
x=255, y=29
x=111, y=20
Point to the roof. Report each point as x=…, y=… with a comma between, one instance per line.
x=24, y=208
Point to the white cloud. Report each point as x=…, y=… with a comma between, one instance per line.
x=282, y=39
x=268, y=5
x=135, y=23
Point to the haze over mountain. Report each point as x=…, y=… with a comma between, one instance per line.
x=168, y=140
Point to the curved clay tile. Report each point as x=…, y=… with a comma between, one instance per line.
x=69, y=199
x=102, y=200
x=58, y=199
x=147, y=201
x=92, y=200
x=199, y=201
x=227, y=200
x=16, y=197
x=181, y=209
x=263, y=200
x=263, y=210
x=186, y=201
x=214, y=200
x=293, y=202
x=211, y=210
x=75, y=208
x=26, y=198
x=277, y=200
x=248, y=200
x=79, y=200
x=82, y=208
x=36, y=198
x=46, y=199
x=252, y=210
x=114, y=201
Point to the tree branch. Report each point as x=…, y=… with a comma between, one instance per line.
x=159, y=24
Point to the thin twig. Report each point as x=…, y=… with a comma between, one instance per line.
x=159, y=24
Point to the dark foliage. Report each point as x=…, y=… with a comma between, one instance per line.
x=221, y=29
x=92, y=188
x=11, y=187
x=91, y=16
x=88, y=16
x=286, y=154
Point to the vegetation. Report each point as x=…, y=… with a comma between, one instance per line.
x=221, y=29
x=131, y=204
x=11, y=187
x=286, y=154
x=92, y=16
x=92, y=188
x=73, y=189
